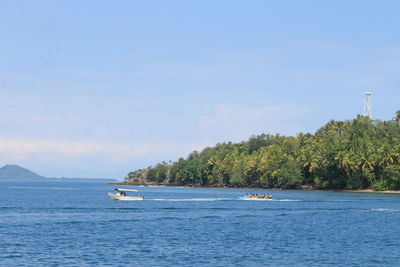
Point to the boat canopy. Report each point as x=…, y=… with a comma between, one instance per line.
x=126, y=190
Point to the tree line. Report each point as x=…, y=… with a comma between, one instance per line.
x=352, y=154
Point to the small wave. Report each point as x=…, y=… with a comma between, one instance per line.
x=173, y=208
x=169, y=218
x=217, y=208
x=245, y=216
x=10, y=208
x=13, y=256
x=210, y=217
x=387, y=210
x=188, y=199
x=122, y=208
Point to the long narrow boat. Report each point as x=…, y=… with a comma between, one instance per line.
x=253, y=198
x=121, y=195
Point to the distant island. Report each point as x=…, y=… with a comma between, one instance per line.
x=18, y=173
x=357, y=154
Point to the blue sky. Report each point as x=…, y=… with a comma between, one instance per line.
x=99, y=88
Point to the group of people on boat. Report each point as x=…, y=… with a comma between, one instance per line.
x=121, y=193
x=255, y=195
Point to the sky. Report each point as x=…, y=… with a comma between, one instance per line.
x=100, y=88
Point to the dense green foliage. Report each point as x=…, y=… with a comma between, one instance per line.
x=354, y=154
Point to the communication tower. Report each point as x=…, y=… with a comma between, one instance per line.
x=367, y=104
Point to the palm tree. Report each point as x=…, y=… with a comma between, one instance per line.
x=397, y=117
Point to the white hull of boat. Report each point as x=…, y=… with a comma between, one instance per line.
x=124, y=198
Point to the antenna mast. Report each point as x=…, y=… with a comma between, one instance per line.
x=367, y=104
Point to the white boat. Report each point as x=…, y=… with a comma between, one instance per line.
x=120, y=194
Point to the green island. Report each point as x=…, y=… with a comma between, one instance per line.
x=346, y=155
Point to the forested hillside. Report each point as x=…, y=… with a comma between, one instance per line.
x=354, y=154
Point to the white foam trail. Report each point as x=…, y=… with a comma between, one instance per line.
x=213, y=199
x=388, y=210
x=188, y=199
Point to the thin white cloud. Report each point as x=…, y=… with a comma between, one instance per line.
x=14, y=150
x=239, y=113
x=20, y=149
x=237, y=122
x=229, y=114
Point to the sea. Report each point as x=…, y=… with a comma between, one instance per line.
x=69, y=223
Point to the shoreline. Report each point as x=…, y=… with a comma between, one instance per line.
x=303, y=188
x=370, y=191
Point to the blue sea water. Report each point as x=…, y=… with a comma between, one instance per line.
x=76, y=224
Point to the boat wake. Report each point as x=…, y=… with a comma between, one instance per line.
x=214, y=199
x=188, y=199
x=386, y=210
